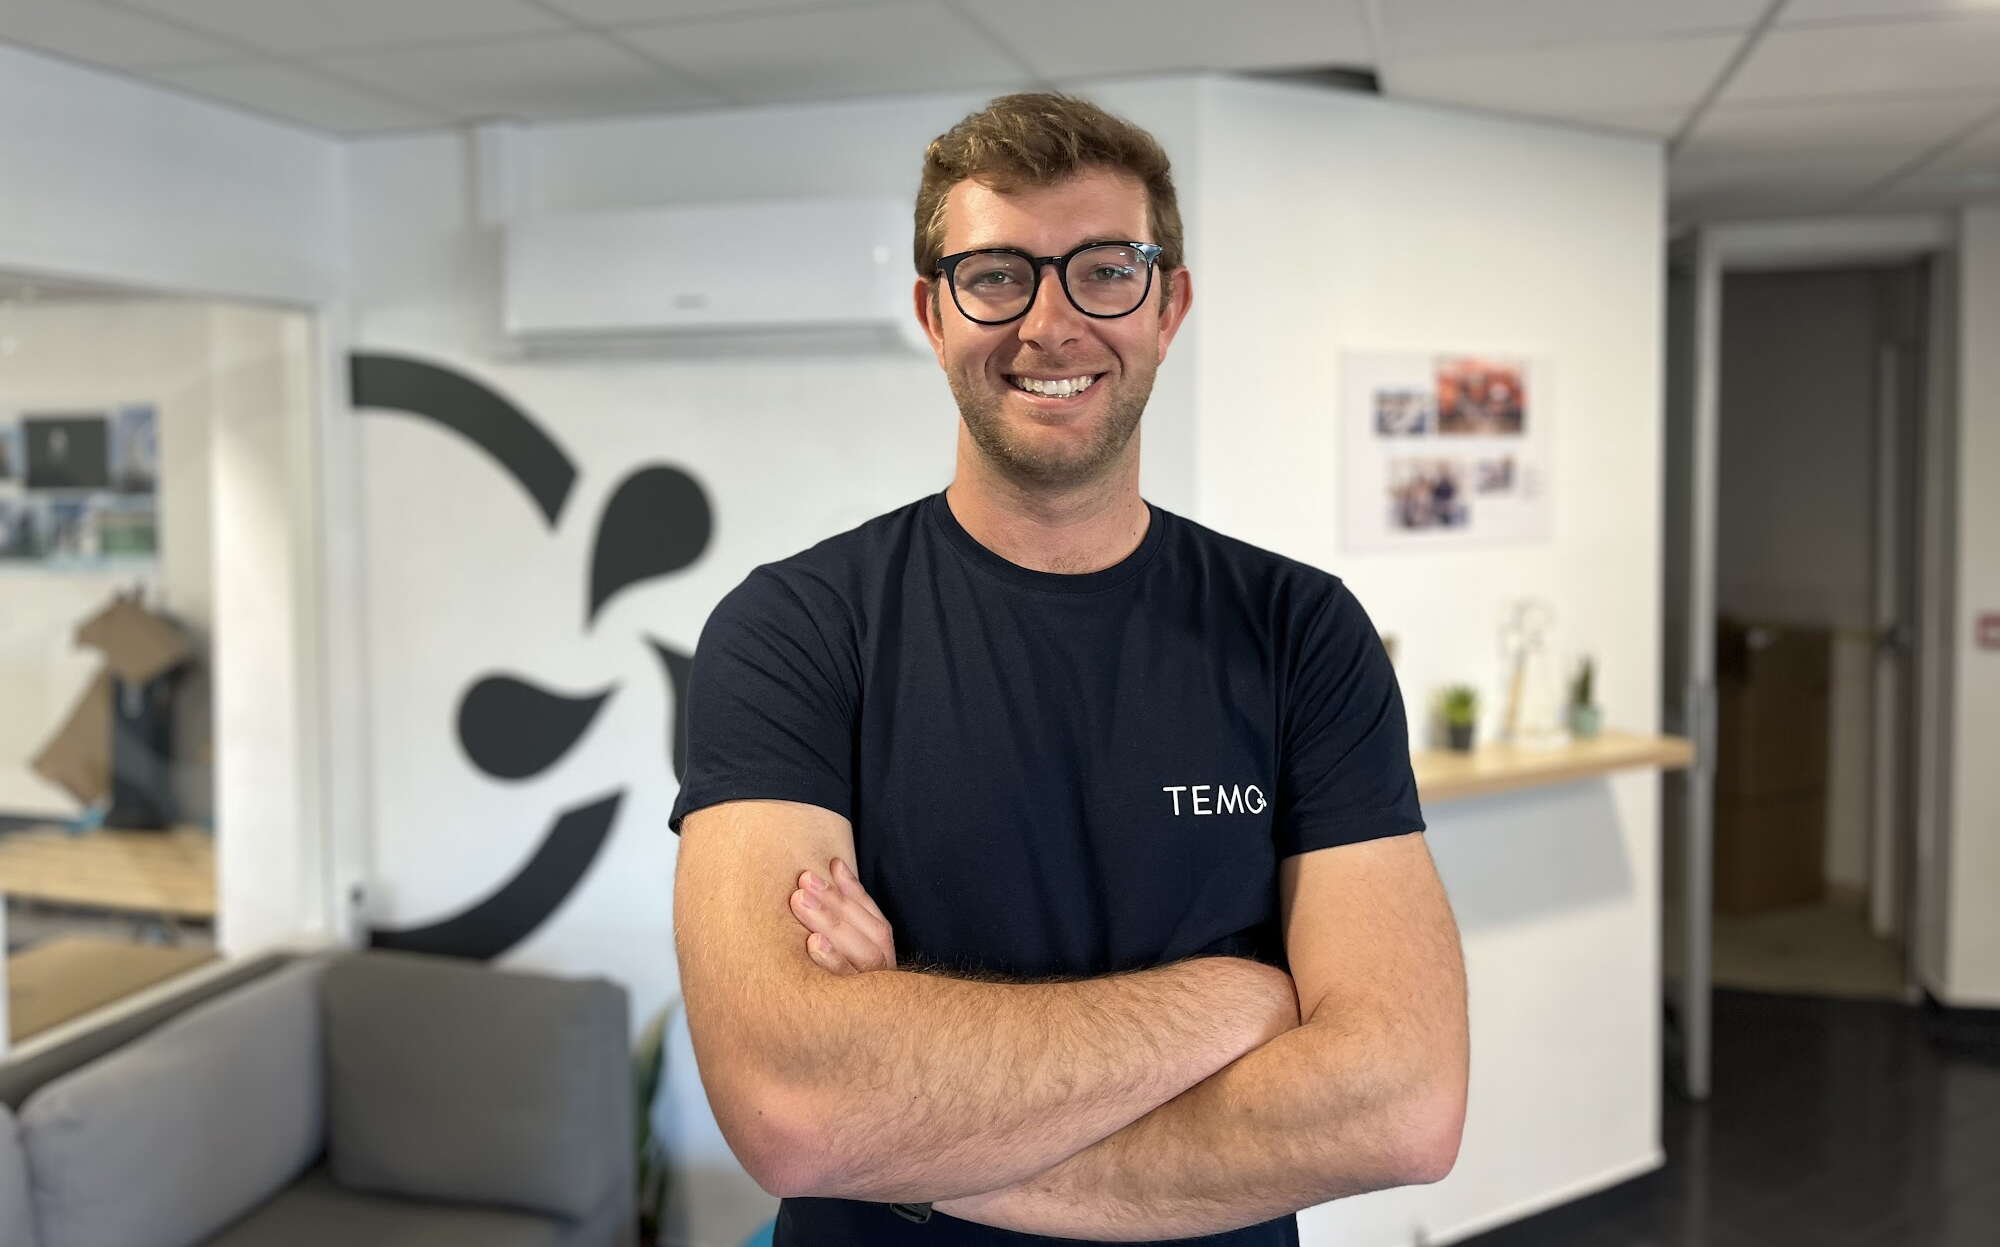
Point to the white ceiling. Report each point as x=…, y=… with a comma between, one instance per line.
x=1768, y=106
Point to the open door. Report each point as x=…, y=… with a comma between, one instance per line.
x=1694, y=307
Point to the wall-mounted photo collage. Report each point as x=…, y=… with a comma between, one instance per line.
x=1443, y=450
x=79, y=487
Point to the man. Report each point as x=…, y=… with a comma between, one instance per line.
x=1134, y=797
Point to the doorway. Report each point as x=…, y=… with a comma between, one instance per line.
x=1819, y=403
x=1799, y=447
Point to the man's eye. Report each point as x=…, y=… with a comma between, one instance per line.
x=992, y=277
x=1112, y=272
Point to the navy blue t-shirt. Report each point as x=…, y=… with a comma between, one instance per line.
x=1047, y=774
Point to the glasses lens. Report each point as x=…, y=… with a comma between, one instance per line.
x=1108, y=280
x=992, y=285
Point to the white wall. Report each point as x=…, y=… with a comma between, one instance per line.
x=110, y=179
x=89, y=354
x=270, y=876
x=1341, y=222
x=1972, y=939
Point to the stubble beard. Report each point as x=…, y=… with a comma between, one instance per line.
x=1038, y=467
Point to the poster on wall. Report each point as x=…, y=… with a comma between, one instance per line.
x=1443, y=450
x=79, y=487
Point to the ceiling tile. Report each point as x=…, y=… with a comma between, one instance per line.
x=1911, y=58
x=92, y=32
x=1084, y=38
x=637, y=12
x=1570, y=81
x=309, y=26
x=544, y=79
x=299, y=95
x=1798, y=12
x=1906, y=126
x=1685, y=210
x=1977, y=152
x=1656, y=123
x=1824, y=178
x=1943, y=188
x=813, y=55
x=1412, y=28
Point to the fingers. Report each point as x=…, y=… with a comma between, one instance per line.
x=829, y=958
x=848, y=936
x=851, y=886
x=847, y=900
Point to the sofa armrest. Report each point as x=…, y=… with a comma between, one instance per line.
x=449, y=1079
x=17, y=1213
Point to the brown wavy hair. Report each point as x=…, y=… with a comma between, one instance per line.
x=1039, y=139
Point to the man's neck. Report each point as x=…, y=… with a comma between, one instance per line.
x=1082, y=529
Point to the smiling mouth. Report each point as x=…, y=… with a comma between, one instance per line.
x=1056, y=389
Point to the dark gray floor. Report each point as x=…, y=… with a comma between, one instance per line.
x=1833, y=1123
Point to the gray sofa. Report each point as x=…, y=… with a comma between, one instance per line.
x=378, y=1098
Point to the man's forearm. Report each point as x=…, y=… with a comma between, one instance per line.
x=921, y=1086
x=1316, y=1114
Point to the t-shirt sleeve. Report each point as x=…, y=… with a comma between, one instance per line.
x=1344, y=770
x=770, y=702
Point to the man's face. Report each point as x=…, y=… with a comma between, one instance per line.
x=1031, y=438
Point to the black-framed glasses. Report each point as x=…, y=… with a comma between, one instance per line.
x=994, y=285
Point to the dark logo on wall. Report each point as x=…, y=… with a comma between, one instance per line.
x=657, y=521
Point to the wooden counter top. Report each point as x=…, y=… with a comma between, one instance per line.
x=148, y=872
x=1443, y=775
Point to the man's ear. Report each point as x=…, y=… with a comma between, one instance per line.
x=1174, y=307
x=929, y=315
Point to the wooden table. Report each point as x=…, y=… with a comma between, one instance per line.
x=165, y=873
x=66, y=978
x=1446, y=775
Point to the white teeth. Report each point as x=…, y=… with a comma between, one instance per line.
x=1054, y=389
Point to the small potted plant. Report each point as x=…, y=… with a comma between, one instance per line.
x=1583, y=714
x=1461, y=711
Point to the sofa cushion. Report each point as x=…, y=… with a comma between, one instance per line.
x=451, y=1080
x=315, y=1212
x=176, y=1134
x=17, y=1215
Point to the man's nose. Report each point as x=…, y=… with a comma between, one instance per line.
x=1053, y=320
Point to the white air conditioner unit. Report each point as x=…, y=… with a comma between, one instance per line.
x=832, y=270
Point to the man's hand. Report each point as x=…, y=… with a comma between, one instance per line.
x=847, y=933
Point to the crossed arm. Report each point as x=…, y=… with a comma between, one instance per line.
x=1368, y=1092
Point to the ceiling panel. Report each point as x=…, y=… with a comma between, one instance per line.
x=1413, y=28
x=1797, y=12
x=814, y=55
x=1082, y=38
x=1908, y=58
x=547, y=78
x=1805, y=173
x=307, y=26
x=99, y=35
x=293, y=94
x=635, y=12
x=1910, y=127
x=1941, y=189
x=1977, y=151
x=1767, y=185
x=1571, y=81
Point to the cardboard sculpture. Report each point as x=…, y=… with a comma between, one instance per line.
x=96, y=755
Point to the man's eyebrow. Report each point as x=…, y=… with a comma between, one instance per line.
x=1013, y=246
